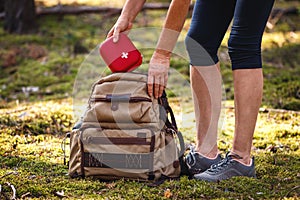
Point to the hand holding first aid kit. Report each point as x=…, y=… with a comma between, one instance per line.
x=121, y=56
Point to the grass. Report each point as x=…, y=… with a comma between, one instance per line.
x=32, y=160
x=33, y=124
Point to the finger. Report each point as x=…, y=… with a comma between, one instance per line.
x=130, y=25
x=161, y=87
x=116, y=34
x=150, y=85
x=110, y=33
x=127, y=30
x=156, y=86
x=156, y=90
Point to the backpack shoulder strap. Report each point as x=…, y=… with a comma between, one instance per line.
x=163, y=100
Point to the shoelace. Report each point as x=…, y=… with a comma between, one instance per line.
x=190, y=158
x=224, y=163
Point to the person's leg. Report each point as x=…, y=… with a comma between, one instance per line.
x=248, y=87
x=250, y=18
x=210, y=21
x=244, y=45
x=207, y=95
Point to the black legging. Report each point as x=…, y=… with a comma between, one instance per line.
x=210, y=21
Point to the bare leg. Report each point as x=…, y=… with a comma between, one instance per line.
x=207, y=95
x=248, y=87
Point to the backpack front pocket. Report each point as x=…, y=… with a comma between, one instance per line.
x=123, y=109
x=118, y=152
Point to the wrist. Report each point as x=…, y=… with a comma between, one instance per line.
x=162, y=53
x=125, y=17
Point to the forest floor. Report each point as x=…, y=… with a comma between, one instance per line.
x=32, y=159
x=37, y=77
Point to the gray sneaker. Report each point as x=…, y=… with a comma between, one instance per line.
x=226, y=169
x=197, y=163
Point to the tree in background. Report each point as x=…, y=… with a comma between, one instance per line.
x=2, y=6
x=19, y=16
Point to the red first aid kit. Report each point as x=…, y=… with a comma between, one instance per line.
x=121, y=56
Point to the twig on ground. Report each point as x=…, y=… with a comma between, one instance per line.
x=291, y=190
x=14, y=111
x=9, y=173
x=25, y=195
x=14, y=191
x=2, y=194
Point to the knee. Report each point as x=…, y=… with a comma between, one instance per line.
x=200, y=50
x=244, y=52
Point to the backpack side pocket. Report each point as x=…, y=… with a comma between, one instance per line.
x=75, y=154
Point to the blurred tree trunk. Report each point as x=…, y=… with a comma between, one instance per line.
x=19, y=16
x=2, y=6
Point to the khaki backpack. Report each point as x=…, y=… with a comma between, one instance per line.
x=125, y=133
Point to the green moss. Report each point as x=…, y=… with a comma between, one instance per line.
x=31, y=135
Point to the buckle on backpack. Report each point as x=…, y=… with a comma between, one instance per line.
x=114, y=105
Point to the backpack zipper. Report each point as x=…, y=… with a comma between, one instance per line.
x=130, y=100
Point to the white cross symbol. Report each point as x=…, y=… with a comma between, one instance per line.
x=124, y=55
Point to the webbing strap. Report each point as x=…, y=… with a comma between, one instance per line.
x=163, y=100
x=118, y=161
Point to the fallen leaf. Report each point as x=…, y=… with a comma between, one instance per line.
x=102, y=191
x=60, y=194
x=110, y=185
x=32, y=177
x=168, y=194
